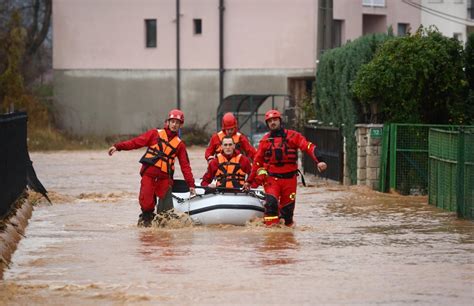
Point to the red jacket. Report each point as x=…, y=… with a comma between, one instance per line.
x=243, y=145
x=150, y=138
x=214, y=164
x=287, y=142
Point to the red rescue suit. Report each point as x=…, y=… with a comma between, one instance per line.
x=158, y=164
x=241, y=144
x=275, y=166
x=229, y=171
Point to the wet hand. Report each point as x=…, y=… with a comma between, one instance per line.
x=322, y=166
x=112, y=150
x=246, y=186
x=192, y=192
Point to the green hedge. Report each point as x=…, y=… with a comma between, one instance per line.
x=335, y=103
x=417, y=78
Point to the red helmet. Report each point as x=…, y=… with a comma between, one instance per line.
x=273, y=113
x=229, y=121
x=176, y=114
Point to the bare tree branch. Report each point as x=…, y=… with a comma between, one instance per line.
x=37, y=40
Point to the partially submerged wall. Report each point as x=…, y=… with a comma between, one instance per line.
x=12, y=228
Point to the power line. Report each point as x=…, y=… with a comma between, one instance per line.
x=436, y=11
x=439, y=14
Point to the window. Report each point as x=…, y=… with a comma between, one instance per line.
x=379, y=3
x=402, y=29
x=150, y=28
x=458, y=36
x=337, y=33
x=197, y=26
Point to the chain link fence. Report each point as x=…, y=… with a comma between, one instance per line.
x=451, y=170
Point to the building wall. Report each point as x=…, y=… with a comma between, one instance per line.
x=110, y=34
x=394, y=11
x=108, y=82
x=437, y=12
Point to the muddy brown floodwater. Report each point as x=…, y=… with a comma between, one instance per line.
x=349, y=246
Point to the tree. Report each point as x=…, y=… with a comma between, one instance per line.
x=36, y=20
x=11, y=80
x=335, y=103
x=416, y=79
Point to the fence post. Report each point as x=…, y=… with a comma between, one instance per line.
x=460, y=175
x=384, y=158
x=393, y=156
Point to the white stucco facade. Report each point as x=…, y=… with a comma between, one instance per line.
x=449, y=16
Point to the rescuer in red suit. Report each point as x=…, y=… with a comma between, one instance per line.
x=163, y=146
x=276, y=166
x=229, y=168
x=229, y=128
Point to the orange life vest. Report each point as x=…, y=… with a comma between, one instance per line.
x=229, y=173
x=235, y=138
x=278, y=152
x=163, y=153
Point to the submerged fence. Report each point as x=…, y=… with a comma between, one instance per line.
x=330, y=142
x=451, y=175
x=404, y=158
x=13, y=154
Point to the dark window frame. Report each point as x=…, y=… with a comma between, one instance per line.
x=151, y=33
x=197, y=26
x=405, y=26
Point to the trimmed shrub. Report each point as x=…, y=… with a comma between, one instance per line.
x=335, y=103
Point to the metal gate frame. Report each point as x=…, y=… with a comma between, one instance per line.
x=330, y=142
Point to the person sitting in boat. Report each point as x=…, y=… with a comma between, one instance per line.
x=229, y=168
x=229, y=128
x=276, y=167
x=157, y=169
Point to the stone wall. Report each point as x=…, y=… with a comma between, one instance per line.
x=369, y=149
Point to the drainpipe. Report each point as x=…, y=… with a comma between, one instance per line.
x=178, y=65
x=221, y=51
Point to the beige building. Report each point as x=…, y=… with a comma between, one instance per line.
x=120, y=65
x=453, y=18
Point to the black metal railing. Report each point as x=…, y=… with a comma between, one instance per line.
x=329, y=140
x=13, y=157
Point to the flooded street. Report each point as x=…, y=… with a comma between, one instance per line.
x=350, y=246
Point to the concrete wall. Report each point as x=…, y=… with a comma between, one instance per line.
x=107, y=102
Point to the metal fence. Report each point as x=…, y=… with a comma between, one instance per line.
x=405, y=154
x=451, y=171
x=13, y=154
x=330, y=142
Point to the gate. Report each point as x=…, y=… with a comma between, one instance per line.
x=13, y=154
x=330, y=143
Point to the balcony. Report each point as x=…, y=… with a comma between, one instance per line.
x=373, y=3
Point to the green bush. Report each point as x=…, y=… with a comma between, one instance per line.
x=415, y=79
x=194, y=134
x=335, y=103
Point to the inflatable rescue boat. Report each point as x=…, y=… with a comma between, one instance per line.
x=218, y=205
